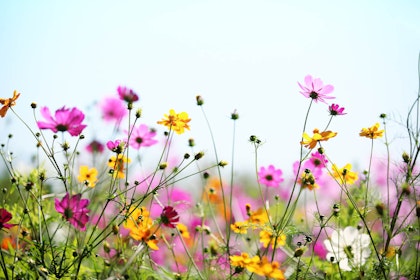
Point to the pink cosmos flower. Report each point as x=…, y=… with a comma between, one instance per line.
x=113, y=109
x=74, y=209
x=127, y=94
x=65, y=120
x=315, y=89
x=116, y=146
x=95, y=147
x=5, y=216
x=336, y=110
x=142, y=136
x=315, y=163
x=270, y=176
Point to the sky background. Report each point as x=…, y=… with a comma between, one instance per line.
x=243, y=55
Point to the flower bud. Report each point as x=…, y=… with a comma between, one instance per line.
x=200, y=100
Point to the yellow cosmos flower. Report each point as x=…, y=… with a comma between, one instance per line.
x=259, y=216
x=87, y=176
x=240, y=227
x=372, y=132
x=311, y=142
x=269, y=269
x=244, y=260
x=183, y=230
x=176, y=122
x=117, y=163
x=307, y=180
x=345, y=175
x=267, y=237
x=140, y=224
x=7, y=103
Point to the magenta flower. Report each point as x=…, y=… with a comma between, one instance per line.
x=113, y=109
x=95, y=147
x=142, y=136
x=65, y=120
x=315, y=163
x=74, y=209
x=270, y=176
x=315, y=89
x=116, y=146
x=127, y=94
x=169, y=217
x=336, y=110
x=5, y=216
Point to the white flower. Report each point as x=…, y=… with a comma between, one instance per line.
x=348, y=247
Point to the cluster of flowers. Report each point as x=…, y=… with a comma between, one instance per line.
x=271, y=227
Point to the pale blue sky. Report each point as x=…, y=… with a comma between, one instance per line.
x=244, y=55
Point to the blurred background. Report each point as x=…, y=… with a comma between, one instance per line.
x=238, y=55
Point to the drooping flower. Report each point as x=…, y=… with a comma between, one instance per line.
x=95, y=147
x=66, y=119
x=336, y=110
x=176, y=122
x=315, y=89
x=7, y=103
x=118, y=163
x=311, y=142
x=5, y=216
x=127, y=94
x=372, y=132
x=169, y=217
x=349, y=248
x=142, y=136
x=74, y=210
x=270, y=176
x=88, y=176
x=344, y=175
x=113, y=109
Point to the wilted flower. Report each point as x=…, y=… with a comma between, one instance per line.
x=349, y=248
x=176, y=122
x=127, y=94
x=65, y=120
x=372, y=132
x=5, y=216
x=142, y=136
x=270, y=176
x=169, y=217
x=7, y=103
x=315, y=89
x=74, y=209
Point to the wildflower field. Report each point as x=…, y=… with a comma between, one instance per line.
x=95, y=208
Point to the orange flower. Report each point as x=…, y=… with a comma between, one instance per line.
x=7, y=103
x=139, y=223
x=372, y=132
x=311, y=142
